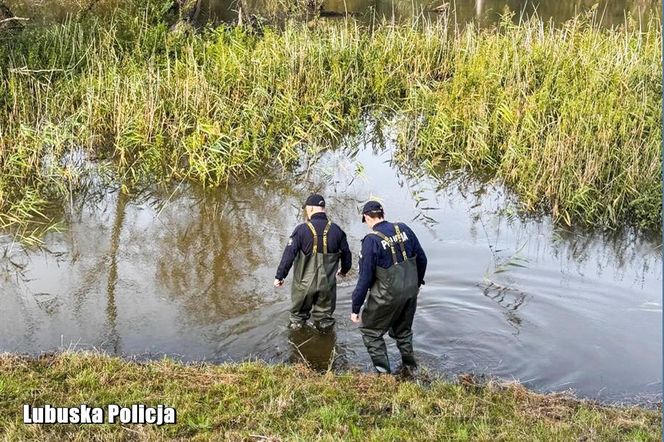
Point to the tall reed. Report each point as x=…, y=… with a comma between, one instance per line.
x=568, y=117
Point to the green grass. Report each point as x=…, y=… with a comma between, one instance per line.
x=568, y=117
x=244, y=401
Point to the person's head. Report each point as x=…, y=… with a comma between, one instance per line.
x=372, y=213
x=314, y=204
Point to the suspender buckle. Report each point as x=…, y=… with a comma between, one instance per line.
x=315, y=235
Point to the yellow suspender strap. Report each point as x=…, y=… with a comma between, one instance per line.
x=315, y=243
x=401, y=243
x=389, y=243
x=327, y=229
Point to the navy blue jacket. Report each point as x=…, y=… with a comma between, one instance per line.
x=374, y=253
x=302, y=239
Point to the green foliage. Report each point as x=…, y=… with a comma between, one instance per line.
x=568, y=117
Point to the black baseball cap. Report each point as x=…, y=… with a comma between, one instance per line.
x=314, y=200
x=372, y=207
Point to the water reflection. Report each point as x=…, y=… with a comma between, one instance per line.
x=112, y=339
x=188, y=272
x=313, y=348
x=497, y=222
x=509, y=300
x=209, y=249
x=488, y=12
x=484, y=12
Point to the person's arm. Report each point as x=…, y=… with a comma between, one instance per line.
x=346, y=256
x=420, y=259
x=288, y=256
x=368, y=258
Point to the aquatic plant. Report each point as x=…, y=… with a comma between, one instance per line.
x=568, y=117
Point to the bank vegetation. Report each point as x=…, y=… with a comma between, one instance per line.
x=255, y=401
x=567, y=116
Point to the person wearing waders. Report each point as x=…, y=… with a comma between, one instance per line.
x=392, y=267
x=315, y=248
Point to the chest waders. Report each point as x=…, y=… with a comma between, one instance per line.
x=390, y=307
x=314, y=289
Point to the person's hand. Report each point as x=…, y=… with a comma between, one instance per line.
x=278, y=282
x=355, y=317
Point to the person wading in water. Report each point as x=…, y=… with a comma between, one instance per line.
x=315, y=247
x=392, y=267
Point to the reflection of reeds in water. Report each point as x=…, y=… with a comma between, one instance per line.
x=569, y=117
x=112, y=337
x=509, y=299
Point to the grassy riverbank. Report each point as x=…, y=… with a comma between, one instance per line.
x=253, y=401
x=568, y=117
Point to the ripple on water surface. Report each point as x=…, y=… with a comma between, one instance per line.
x=188, y=273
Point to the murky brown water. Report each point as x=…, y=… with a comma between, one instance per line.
x=484, y=12
x=189, y=274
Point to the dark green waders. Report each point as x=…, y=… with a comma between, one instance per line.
x=390, y=308
x=314, y=290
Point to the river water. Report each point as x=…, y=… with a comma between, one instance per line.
x=482, y=12
x=188, y=273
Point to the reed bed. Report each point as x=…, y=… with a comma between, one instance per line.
x=568, y=117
